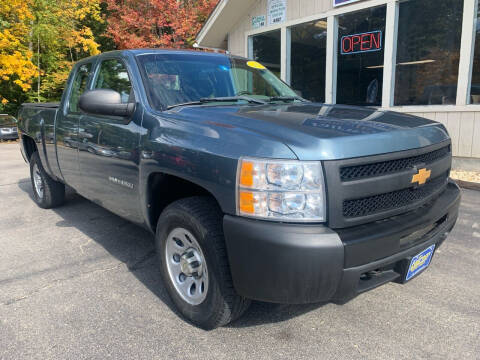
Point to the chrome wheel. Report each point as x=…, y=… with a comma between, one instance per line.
x=186, y=266
x=37, y=181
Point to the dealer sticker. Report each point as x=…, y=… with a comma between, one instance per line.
x=420, y=262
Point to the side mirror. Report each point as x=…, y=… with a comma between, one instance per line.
x=105, y=102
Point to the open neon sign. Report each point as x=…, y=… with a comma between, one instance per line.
x=360, y=43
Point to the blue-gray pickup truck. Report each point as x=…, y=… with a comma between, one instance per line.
x=252, y=192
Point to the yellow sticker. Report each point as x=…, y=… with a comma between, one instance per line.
x=256, y=65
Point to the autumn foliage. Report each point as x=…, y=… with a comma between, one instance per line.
x=156, y=23
x=40, y=40
x=16, y=67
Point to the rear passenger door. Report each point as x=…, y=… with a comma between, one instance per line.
x=109, y=151
x=67, y=122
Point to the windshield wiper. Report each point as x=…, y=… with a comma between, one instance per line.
x=286, y=98
x=184, y=104
x=219, y=99
x=233, y=98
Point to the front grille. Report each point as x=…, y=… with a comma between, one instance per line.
x=387, y=167
x=391, y=200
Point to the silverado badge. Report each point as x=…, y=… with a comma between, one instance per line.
x=421, y=176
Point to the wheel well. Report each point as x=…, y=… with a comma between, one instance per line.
x=163, y=189
x=29, y=146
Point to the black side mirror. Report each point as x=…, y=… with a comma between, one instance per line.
x=105, y=102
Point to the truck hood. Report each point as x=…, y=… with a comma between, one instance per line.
x=325, y=132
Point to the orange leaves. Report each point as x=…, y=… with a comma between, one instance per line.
x=156, y=23
x=15, y=63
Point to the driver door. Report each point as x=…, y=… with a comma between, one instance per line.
x=109, y=147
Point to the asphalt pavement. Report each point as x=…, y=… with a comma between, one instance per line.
x=78, y=282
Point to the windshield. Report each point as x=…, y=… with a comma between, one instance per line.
x=172, y=79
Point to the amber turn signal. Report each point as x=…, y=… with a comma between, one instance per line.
x=246, y=174
x=246, y=202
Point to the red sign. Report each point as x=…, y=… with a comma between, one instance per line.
x=360, y=43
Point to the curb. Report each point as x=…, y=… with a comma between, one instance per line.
x=468, y=184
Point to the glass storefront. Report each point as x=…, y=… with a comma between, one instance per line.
x=308, y=59
x=475, y=88
x=428, y=52
x=427, y=45
x=266, y=49
x=360, y=57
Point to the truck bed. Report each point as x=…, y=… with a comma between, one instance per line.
x=37, y=120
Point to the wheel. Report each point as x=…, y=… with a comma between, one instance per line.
x=194, y=264
x=47, y=192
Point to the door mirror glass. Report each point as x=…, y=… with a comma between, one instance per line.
x=105, y=102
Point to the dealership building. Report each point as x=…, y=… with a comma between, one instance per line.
x=415, y=56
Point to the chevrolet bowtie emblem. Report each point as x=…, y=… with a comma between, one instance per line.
x=421, y=176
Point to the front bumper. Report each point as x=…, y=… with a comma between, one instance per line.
x=9, y=136
x=294, y=263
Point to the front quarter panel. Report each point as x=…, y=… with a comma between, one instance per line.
x=203, y=152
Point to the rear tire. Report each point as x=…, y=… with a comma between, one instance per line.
x=213, y=301
x=47, y=192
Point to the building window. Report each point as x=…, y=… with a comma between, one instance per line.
x=475, y=88
x=308, y=59
x=428, y=52
x=266, y=50
x=360, y=57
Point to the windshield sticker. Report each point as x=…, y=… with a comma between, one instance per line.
x=256, y=65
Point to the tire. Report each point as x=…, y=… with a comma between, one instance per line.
x=47, y=192
x=200, y=218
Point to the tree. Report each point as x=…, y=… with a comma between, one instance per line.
x=61, y=37
x=156, y=23
x=16, y=67
x=39, y=42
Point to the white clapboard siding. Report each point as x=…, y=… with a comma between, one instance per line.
x=467, y=126
x=463, y=127
x=476, y=136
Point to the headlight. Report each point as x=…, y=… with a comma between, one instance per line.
x=284, y=190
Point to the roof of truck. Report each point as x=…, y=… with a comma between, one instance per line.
x=167, y=51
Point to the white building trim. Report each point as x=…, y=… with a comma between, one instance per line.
x=331, y=60
x=210, y=21
x=466, y=51
x=285, y=55
x=390, y=54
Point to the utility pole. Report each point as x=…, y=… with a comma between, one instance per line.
x=38, y=66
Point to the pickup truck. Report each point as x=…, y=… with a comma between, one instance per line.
x=252, y=192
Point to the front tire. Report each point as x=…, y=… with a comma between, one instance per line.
x=194, y=264
x=47, y=192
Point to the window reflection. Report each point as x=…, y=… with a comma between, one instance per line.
x=266, y=50
x=308, y=57
x=78, y=87
x=360, y=57
x=428, y=52
x=113, y=75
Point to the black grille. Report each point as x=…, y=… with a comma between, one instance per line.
x=392, y=200
x=386, y=167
